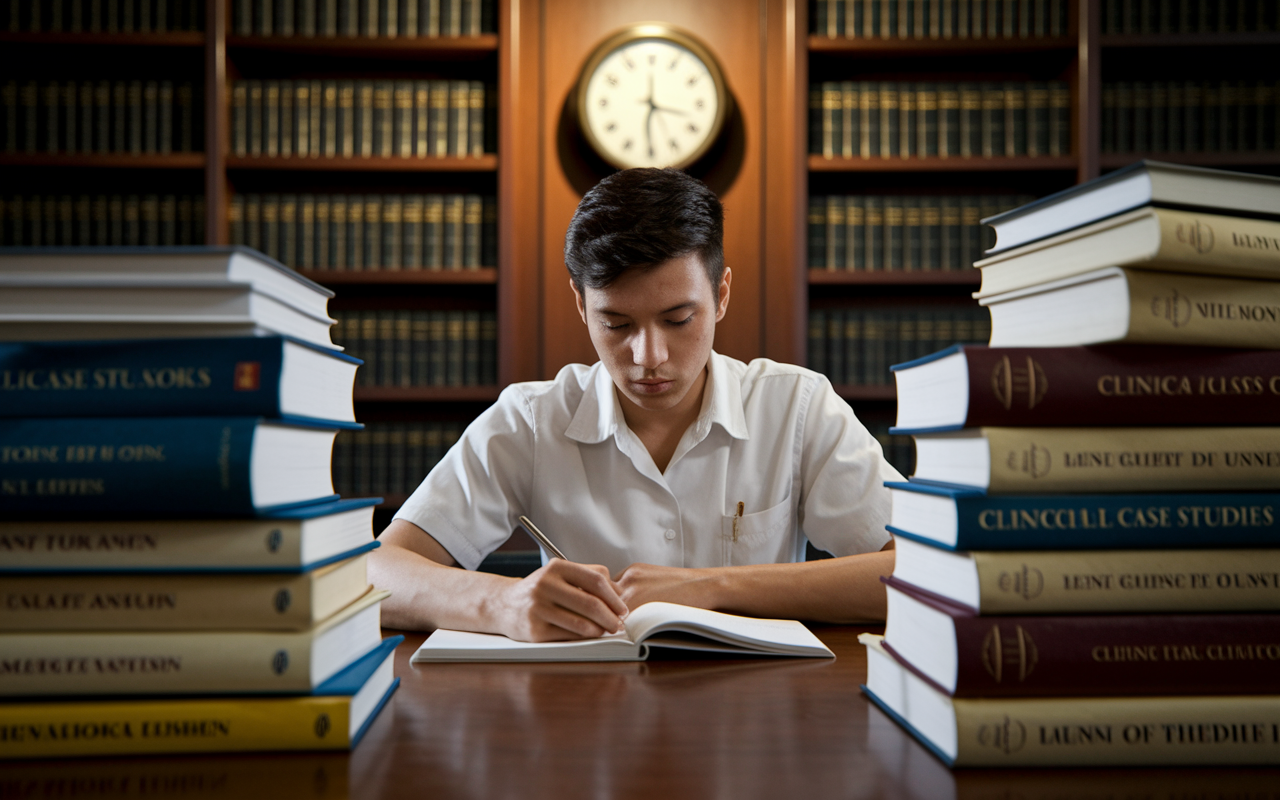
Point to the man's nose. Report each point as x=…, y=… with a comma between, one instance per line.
x=649, y=348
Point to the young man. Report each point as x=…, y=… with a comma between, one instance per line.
x=664, y=472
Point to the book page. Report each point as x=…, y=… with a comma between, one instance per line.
x=771, y=636
x=447, y=645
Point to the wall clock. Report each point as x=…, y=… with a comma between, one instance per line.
x=651, y=96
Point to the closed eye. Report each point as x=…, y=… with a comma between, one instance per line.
x=684, y=321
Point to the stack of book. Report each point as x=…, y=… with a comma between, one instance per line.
x=940, y=19
x=1087, y=566
x=178, y=575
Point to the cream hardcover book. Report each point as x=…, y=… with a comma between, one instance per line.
x=650, y=625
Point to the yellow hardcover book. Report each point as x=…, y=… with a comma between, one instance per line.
x=334, y=719
x=1107, y=460
x=173, y=601
x=1150, y=238
x=1119, y=304
x=1096, y=581
x=1073, y=731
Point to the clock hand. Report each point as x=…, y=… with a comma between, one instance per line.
x=672, y=111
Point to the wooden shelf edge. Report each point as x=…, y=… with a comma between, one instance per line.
x=970, y=277
x=1189, y=39
x=483, y=275
x=485, y=163
x=168, y=39
x=819, y=163
x=889, y=47
x=398, y=47
x=112, y=160
x=1225, y=159
x=854, y=392
x=426, y=394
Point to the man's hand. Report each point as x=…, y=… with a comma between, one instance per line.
x=563, y=600
x=643, y=583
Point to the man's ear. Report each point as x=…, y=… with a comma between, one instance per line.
x=723, y=306
x=581, y=303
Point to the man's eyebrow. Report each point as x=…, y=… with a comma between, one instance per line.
x=610, y=312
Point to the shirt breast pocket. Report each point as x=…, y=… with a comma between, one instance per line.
x=763, y=537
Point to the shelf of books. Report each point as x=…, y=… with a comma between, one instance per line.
x=361, y=150
x=921, y=124
x=354, y=142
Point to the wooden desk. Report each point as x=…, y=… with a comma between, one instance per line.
x=661, y=730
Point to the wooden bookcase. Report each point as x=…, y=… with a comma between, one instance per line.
x=766, y=177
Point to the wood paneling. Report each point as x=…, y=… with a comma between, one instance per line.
x=568, y=31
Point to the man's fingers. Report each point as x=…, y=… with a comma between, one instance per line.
x=584, y=591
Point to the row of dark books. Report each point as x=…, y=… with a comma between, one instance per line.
x=102, y=16
x=421, y=348
x=856, y=346
x=369, y=232
x=903, y=119
x=369, y=18
x=365, y=118
x=939, y=19
x=1190, y=116
x=1188, y=16
x=100, y=117
x=390, y=459
x=101, y=220
x=901, y=232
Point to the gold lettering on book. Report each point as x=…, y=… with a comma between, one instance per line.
x=1251, y=241
x=1010, y=382
x=1238, y=312
x=1007, y=735
x=1075, y=734
x=1035, y=461
x=1027, y=582
x=1174, y=308
x=1017, y=651
x=1196, y=235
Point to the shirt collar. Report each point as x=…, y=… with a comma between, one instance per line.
x=600, y=413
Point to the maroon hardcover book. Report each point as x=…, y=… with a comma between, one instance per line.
x=1114, y=385
x=1098, y=655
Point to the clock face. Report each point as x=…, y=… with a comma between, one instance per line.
x=651, y=101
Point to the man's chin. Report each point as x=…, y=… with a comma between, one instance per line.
x=658, y=398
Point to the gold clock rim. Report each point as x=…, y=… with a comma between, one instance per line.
x=653, y=30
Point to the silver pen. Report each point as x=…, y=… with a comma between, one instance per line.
x=540, y=538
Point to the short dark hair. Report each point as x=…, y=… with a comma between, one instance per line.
x=639, y=218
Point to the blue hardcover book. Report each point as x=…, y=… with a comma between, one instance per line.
x=268, y=376
x=968, y=519
x=166, y=466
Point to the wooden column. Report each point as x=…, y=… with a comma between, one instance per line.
x=785, y=297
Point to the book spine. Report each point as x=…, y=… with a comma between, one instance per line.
x=1043, y=460
x=1168, y=308
x=1126, y=581
x=229, y=602
x=1119, y=731
x=150, y=465
x=1114, y=655
x=135, y=728
x=1121, y=385
x=1102, y=521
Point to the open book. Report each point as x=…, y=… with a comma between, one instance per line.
x=650, y=625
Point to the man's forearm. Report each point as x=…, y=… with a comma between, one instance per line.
x=832, y=590
x=844, y=589
x=426, y=595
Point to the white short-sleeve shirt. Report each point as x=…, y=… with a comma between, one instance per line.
x=771, y=436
